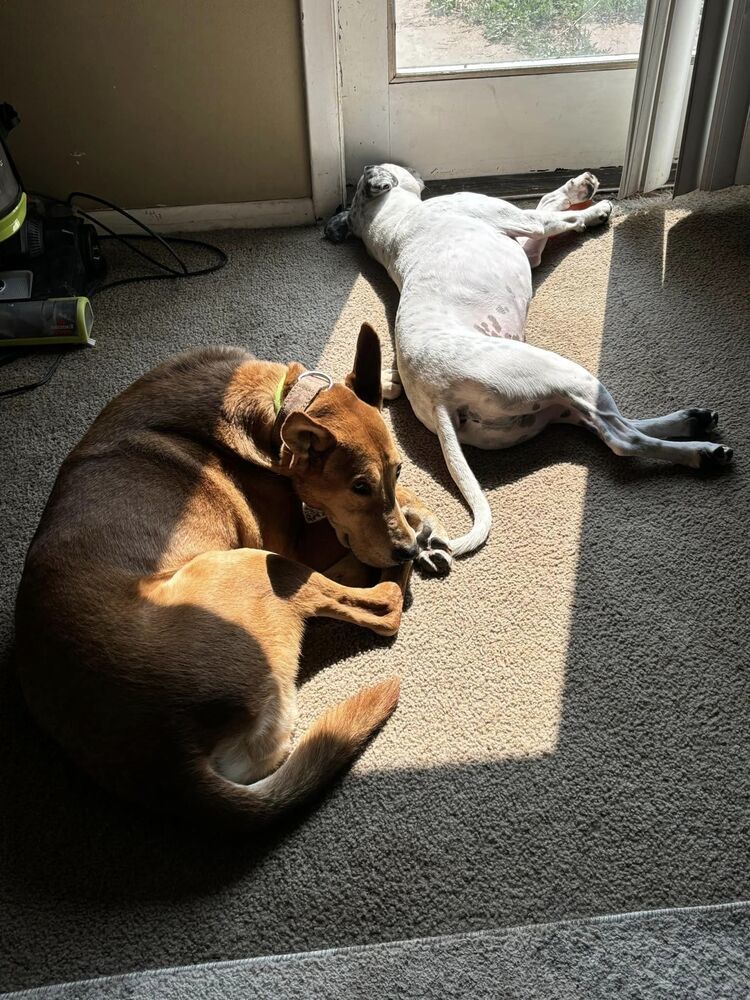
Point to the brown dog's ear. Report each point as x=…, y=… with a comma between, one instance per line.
x=365, y=377
x=301, y=434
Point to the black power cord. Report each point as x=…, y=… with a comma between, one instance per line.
x=165, y=271
x=13, y=354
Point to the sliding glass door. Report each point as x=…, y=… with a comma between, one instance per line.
x=472, y=88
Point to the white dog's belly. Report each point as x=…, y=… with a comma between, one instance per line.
x=465, y=293
x=498, y=391
x=504, y=319
x=466, y=273
x=504, y=432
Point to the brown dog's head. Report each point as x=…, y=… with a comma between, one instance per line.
x=346, y=463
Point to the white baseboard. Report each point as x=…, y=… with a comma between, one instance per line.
x=240, y=215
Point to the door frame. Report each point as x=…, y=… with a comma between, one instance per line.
x=322, y=22
x=715, y=149
x=661, y=92
x=319, y=28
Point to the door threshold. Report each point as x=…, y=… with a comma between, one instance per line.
x=531, y=185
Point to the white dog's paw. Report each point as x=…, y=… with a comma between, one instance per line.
x=581, y=188
x=603, y=210
x=594, y=215
x=714, y=456
x=435, y=555
x=391, y=383
x=700, y=420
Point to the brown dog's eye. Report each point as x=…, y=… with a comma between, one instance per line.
x=361, y=487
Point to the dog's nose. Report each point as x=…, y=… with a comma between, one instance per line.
x=403, y=553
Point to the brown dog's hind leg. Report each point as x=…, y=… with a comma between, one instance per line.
x=227, y=629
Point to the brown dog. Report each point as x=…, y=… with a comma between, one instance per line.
x=164, y=596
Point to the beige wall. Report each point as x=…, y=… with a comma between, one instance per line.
x=157, y=102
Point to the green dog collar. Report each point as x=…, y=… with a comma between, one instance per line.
x=278, y=394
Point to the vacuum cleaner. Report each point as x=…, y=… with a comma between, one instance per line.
x=50, y=262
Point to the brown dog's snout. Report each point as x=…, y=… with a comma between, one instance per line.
x=405, y=553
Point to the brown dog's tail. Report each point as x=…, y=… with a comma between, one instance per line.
x=330, y=744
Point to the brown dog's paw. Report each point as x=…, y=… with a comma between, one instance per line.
x=385, y=608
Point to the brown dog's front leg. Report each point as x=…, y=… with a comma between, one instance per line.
x=397, y=574
x=319, y=549
x=435, y=552
x=377, y=608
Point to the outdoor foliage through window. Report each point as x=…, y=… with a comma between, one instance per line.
x=549, y=29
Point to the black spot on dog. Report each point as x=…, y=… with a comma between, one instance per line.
x=536, y=406
x=527, y=420
x=378, y=181
x=564, y=414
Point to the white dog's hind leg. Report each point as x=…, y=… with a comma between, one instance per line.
x=688, y=423
x=573, y=191
x=592, y=405
x=529, y=381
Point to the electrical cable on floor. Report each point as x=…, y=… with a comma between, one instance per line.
x=168, y=273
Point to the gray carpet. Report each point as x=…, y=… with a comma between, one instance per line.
x=703, y=954
x=572, y=736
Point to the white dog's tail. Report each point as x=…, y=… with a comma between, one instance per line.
x=466, y=481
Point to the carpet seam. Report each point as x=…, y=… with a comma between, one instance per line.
x=346, y=950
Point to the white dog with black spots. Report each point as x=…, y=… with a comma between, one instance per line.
x=462, y=263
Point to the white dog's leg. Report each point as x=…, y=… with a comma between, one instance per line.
x=591, y=405
x=391, y=383
x=542, y=223
x=688, y=423
x=573, y=191
x=554, y=223
x=536, y=387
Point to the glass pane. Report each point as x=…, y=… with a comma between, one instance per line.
x=465, y=33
